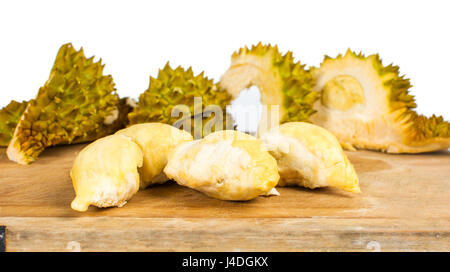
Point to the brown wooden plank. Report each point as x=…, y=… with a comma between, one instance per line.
x=404, y=206
x=224, y=234
x=393, y=186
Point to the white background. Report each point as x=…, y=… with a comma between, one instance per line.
x=136, y=38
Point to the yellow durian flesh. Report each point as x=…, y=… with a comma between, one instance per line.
x=372, y=109
x=342, y=93
x=156, y=140
x=105, y=173
x=310, y=156
x=227, y=165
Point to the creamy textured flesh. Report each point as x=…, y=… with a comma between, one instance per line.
x=215, y=162
x=223, y=169
x=310, y=156
x=105, y=173
x=107, y=195
x=296, y=164
x=112, y=117
x=342, y=93
x=131, y=102
x=156, y=141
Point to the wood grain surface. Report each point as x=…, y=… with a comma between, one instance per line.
x=404, y=206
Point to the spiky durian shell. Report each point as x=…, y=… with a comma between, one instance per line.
x=77, y=104
x=391, y=124
x=175, y=87
x=280, y=79
x=9, y=117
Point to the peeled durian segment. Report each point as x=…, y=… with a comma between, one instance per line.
x=76, y=104
x=170, y=99
x=9, y=117
x=105, y=173
x=367, y=105
x=156, y=140
x=310, y=156
x=227, y=165
x=282, y=82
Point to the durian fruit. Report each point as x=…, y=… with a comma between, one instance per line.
x=227, y=165
x=285, y=85
x=76, y=104
x=367, y=105
x=156, y=140
x=9, y=117
x=105, y=173
x=310, y=156
x=176, y=96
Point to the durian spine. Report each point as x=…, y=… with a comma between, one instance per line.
x=419, y=127
x=175, y=87
x=71, y=107
x=9, y=117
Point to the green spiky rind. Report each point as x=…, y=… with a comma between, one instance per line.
x=71, y=107
x=9, y=117
x=122, y=121
x=418, y=127
x=297, y=82
x=175, y=87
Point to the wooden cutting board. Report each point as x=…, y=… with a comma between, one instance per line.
x=404, y=206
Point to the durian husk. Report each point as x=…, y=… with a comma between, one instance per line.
x=177, y=89
x=384, y=119
x=77, y=104
x=285, y=85
x=9, y=117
